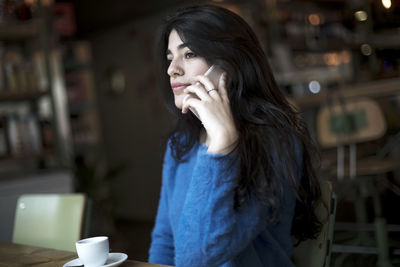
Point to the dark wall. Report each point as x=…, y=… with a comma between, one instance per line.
x=133, y=122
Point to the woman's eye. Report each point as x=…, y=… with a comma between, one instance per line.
x=190, y=55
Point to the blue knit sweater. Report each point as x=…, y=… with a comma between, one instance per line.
x=196, y=224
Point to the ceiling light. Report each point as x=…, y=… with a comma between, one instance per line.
x=387, y=3
x=366, y=49
x=314, y=19
x=314, y=87
x=361, y=15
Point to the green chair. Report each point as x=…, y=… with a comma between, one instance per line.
x=49, y=220
x=348, y=123
x=317, y=252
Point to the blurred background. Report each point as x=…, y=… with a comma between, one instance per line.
x=80, y=110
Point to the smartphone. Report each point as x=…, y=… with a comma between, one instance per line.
x=214, y=74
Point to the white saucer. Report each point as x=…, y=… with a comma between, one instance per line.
x=114, y=259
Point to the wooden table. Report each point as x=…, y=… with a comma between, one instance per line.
x=21, y=255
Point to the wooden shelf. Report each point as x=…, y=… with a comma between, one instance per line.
x=22, y=96
x=389, y=40
x=378, y=41
x=26, y=156
x=19, y=30
x=86, y=147
x=329, y=44
x=71, y=67
x=378, y=88
x=78, y=108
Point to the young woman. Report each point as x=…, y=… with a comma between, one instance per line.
x=237, y=177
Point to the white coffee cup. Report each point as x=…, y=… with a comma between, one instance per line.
x=93, y=252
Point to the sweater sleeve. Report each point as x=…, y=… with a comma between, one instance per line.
x=210, y=231
x=162, y=246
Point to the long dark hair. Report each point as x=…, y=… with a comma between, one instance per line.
x=270, y=131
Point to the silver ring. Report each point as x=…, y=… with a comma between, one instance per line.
x=212, y=90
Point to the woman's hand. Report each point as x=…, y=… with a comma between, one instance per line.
x=213, y=110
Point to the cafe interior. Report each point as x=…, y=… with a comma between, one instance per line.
x=81, y=116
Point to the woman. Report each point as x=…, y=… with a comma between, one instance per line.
x=237, y=171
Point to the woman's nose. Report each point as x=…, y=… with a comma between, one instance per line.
x=174, y=69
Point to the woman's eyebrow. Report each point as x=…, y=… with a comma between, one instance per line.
x=180, y=47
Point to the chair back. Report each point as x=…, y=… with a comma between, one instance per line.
x=49, y=220
x=317, y=252
x=350, y=121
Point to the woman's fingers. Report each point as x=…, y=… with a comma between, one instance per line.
x=185, y=108
x=190, y=102
x=212, y=90
x=203, y=96
x=198, y=90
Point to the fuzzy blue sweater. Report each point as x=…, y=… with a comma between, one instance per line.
x=196, y=224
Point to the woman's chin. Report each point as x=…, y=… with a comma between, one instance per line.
x=179, y=101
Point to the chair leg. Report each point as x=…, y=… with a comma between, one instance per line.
x=362, y=237
x=381, y=235
x=361, y=217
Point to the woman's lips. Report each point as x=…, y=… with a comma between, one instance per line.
x=178, y=86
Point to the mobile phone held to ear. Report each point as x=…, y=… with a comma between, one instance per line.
x=214, y=74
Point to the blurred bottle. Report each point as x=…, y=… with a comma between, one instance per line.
x=22, y=123
x=4, y=144
x=14, y=135
x=47, y=134
x=10, y=76
x=2, y=76
x=31, y=76
x=33, y=134
x=8, y=9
